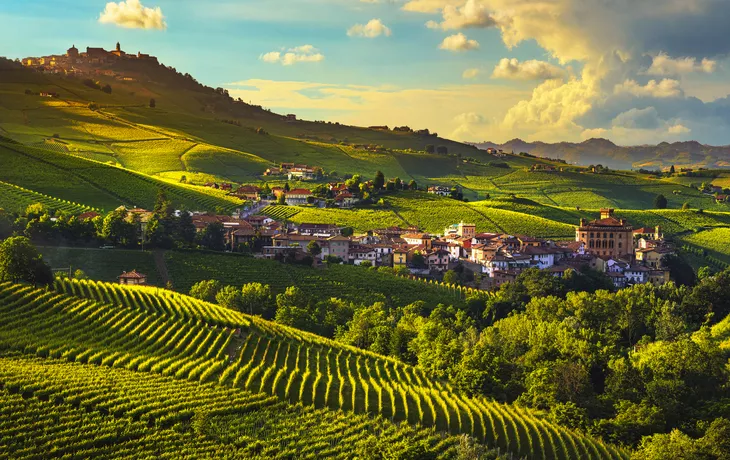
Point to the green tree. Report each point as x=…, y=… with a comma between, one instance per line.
x=287, y=188
x=379, y=181
x=21, y=261
x=205, y=290
x=686, y=206
x=256, y=299
x=230, y=297
x=430, y=148
x=451, y=277
x=671, y=170
x=153, y=103
x=213, y=237
x=412, y=185
x=660, y=202
x=185, y=230
x=314, y=249
x=281, y=200
x=293, y=308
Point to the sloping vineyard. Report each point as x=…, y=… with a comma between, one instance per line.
x=280, y=212
x=15, y=199
x=153, y=331
x=51, y=407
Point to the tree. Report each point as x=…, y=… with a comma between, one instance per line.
x=293, y=309
x=117, y=228
x=660, y=202
x=366, y=264
x=153, y=103
x=412, y=185
x=205, y=290
x=671, y=170
x=256, y=299
x=686, y=206
x=213, y=237
x=230, y=297
x=21, y=261
x=107, y=89
x=418, y=260
x=442, y=150
x=430, y=148
x=379, y=181
x=185, y=229
x=314, y=249
x=281, y=200
x=163, y=206
x=287, y=188
x=451, y=277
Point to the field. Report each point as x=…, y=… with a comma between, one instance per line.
x=96, y=184
x=355, y=284
x=716, y=242
x=102, y=264
x=56, y=342
x=16, y=199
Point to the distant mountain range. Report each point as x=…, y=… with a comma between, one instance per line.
x=605, y=152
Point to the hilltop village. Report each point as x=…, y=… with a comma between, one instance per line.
x=75, y=62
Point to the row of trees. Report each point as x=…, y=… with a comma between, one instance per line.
x=164, y=229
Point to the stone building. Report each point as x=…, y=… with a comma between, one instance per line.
x=607, y=236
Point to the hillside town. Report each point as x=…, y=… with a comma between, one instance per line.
x=608, y=245
x=76, y=62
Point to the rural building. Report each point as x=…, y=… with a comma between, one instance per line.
x=132, y=278
x=439, y=190
x=297, y=196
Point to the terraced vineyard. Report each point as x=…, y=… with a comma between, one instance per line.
x=82, y=328
x=16, y=199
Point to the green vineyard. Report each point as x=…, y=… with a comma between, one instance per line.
x=157, y=346
x=16, y=199
x=280, y=212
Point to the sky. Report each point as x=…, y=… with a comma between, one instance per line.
x=632, y=71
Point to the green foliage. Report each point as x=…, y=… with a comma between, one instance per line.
x=21, y=261
x=206, y=290
x=660, y=202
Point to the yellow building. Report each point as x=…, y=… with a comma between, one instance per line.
x=400, y=258
x=607, y=236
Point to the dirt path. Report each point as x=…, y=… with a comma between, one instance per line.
x=159, y=256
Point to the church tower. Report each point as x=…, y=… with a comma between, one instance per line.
x=119, y=48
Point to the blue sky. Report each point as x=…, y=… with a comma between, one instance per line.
x=580, y=69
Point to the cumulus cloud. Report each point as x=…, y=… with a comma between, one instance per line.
x=647, y=118
x=374, y=28
x=665, y=88
x=512, y=69
x=131, y=14
x=471, y=14
x=304, y=53
x=468, y=124
x=468, y=74
x=458, y=42
x=664, y=65
x=610, y=40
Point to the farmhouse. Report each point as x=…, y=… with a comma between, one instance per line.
x=132, y=278
x=439, y=190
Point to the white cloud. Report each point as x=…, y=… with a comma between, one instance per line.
x=662, y=89
x=678, y=129
x=304, y=53
x=458, y=42
x=131, y=14
x=429, y=6
x=374, y=28
x=471, y=14
x=512, y=69
x=470, y=73
x=665, y=65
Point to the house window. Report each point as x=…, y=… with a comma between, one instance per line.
x=591, y=234
x=611, y=235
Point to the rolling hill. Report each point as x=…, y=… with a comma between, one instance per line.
x=144, y=347
x=605, y=152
